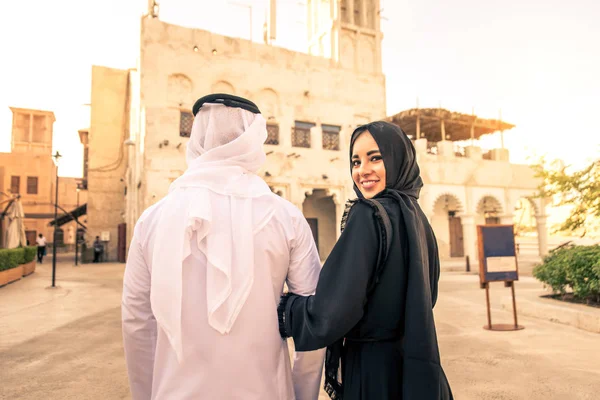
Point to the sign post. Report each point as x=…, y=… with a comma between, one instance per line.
x=498, y=263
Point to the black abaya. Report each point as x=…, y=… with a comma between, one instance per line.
x=390, y=350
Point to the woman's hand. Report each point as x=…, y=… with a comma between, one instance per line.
x=281, y=313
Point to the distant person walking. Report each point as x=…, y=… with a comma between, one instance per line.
x=98, y=249
x=41, y=247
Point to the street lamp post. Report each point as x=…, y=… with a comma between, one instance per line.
x=77, y=226
x=56, y=157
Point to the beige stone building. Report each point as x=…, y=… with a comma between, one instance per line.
x=141, y=119
x=465, y=186
x=30, y=172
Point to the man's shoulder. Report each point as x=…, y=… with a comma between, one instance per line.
x=149, y=215
x=288, y=208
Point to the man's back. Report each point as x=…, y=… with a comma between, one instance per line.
x=251, y=362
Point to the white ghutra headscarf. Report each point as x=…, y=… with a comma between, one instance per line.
x=213, y=198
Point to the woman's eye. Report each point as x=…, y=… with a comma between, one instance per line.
x=376, y=158
x=355, y=163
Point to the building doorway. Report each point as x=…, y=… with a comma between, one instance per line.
x=448, y=226
x=319, y=210
x=31, y=237
x=122, y=243
x=456, y=236
x=314, y=227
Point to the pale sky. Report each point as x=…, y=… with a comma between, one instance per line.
x=536, y=60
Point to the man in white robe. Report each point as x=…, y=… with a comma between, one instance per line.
x=206, y=267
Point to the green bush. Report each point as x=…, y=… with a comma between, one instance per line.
x=574, y=268
x=30, y=254
x=11, y=258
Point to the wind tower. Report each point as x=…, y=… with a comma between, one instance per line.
x=347, y=31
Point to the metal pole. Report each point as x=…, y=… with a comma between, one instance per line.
x=55, y=227
x=487, y=300
x=76, y=229
x=512, y=288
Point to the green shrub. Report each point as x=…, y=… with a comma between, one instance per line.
x=574, y=268
x=11, y=258
x=30, y=254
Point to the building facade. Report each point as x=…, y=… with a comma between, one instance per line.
x=29, y=171
x=465, y=186
x=141, y=120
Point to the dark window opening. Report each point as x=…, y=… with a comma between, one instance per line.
x=32, y=185
x=15, y=184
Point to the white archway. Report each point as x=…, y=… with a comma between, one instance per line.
x=446, y=223
x=223, y=87
x=488, y=211
x=180, y=90
x=268, y=102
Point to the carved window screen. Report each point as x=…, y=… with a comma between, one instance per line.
x=331, y=137
x=272, y=134
x=301, y=134
x=186, y=119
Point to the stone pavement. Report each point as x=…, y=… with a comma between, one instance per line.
x=65, y=343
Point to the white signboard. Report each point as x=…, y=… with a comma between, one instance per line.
x=501, y=264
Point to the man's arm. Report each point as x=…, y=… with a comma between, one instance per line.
x=139, y=324
x=302, y=279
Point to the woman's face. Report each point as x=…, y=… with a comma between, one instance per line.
x=368, y=171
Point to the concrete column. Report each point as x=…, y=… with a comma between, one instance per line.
x=473, y=134
x=542, y=231
x=297, y=196
x=443, y=129
x=446, y=148
x=500, y=154
x=470, y=238
x=421, y=146
x=316, y=137
x=474, y=152
x=345, y=135
x=285, y=132
x=340, y=205
x=507, y=219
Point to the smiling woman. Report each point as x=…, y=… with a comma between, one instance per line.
x=373, y=309
x=368, y=170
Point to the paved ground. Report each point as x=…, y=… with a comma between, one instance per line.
x=65, y=343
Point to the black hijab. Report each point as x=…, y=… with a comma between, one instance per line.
x=423, y=377
x=402, y=174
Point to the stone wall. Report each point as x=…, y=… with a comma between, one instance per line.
x=109, y=127
x=178, y=65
